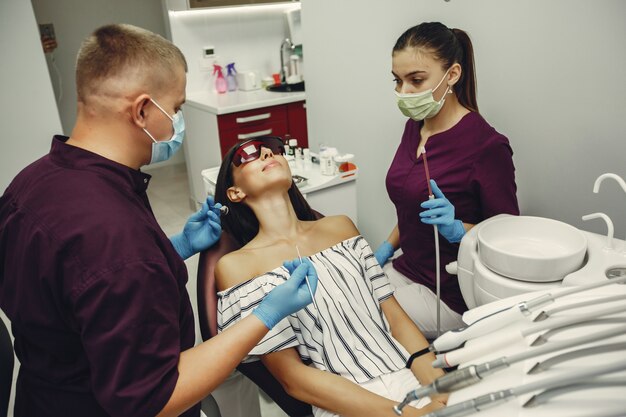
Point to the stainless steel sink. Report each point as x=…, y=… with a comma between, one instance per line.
x=286, y=88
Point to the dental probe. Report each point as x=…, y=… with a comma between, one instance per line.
x=306, y=278
x=497, y=397
x=501, y=318
x=472, y=374
x=431, y=196
x=479, y=348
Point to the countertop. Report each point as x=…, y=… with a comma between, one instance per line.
x=235, y=101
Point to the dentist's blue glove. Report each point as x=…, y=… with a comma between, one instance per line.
x=290, y=296
x=440, y=211
x=384, y=252
x=202, y=230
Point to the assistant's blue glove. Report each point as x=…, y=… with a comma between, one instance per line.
x=290, y=296
x=440, y=211
x=384, y=252
x=202, y=230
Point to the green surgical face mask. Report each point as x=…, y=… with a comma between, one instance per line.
x=420, y=106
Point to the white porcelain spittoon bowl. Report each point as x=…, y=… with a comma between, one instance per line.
x=534, y=249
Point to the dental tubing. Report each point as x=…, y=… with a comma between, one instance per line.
x=479, y=348
x=470, y=375
x=497, y=397
x=431, y=196
x=502, y=318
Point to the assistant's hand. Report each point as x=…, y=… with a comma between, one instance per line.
x=440, y=211
x=384, y=252
x=290, y=296
x=202, y=230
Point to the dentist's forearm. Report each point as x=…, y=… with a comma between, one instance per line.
x=394, y=237
x=202, y=368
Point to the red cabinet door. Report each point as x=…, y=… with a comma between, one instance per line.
x=296, y=123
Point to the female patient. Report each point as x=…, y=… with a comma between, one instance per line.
x=358, y=339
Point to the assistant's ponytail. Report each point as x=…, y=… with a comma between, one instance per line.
x=465, y=88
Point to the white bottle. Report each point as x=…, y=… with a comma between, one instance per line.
x=308, y=163
x=327, y=165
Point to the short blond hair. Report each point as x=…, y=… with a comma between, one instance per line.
x=124, y=55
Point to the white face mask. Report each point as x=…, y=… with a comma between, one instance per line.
x=164, y=150
x=420, y=106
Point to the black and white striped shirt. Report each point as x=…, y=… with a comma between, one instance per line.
x=349, y=336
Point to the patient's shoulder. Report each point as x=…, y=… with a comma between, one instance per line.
x=234, y=268
x=341, y=227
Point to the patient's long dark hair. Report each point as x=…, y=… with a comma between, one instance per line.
x=241, y=222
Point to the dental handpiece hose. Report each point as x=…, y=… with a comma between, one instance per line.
x=499, y=319
x=431, y=196
x=472, y=374
x=497, y=397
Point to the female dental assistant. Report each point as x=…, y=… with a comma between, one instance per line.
x=470, y=164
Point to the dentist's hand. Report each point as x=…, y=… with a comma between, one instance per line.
x=202, y=230
x=440, y=211
x=290, y=296
x=384, y=252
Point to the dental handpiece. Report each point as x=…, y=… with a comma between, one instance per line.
x=308, y=284
x=224, y=210
x=455, y=338
x=495, y=398
x=470, y=375
x=481, y=347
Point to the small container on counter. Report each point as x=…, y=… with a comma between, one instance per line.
x=327, y=163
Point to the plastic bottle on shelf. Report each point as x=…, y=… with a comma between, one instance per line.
x=288, y=149
x=220, y=81
x=299, y=158
x=231, y=80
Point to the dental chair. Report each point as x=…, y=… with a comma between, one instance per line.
x=6, y=368
x=207, y=313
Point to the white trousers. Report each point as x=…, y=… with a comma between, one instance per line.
x=393, y=386
x=420, y=303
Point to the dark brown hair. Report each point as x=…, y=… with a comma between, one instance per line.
x=448, y=46
x=241, y=222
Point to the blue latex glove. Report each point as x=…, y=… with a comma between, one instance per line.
x=290, y=296
x=384, y=252
x=202, y=230
x=440, y=211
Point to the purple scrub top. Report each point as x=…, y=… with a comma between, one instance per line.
x=473, y=166
x=93, y=287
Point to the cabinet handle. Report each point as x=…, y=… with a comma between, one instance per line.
x=253, y=118
x=254, y=134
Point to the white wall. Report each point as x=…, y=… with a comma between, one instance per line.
x=248, y=36
x=29, y=116
x=550, y=77
x=73, y=21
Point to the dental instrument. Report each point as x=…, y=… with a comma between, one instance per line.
x=497, y=397
x=308, y=284
x=574, y=354
x=502, y=318
x=545, y=314
x=545, y=396
x=543, y=338
x=482, y=347
x=431, y=196
x=224, y=210
x=472, y=374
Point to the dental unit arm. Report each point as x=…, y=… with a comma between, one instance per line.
x=620, y=181
x=472, y=374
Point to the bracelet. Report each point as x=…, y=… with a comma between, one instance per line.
x=416, y=355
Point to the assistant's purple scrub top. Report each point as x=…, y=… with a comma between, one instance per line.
x=473, y=166
x=94, y=289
